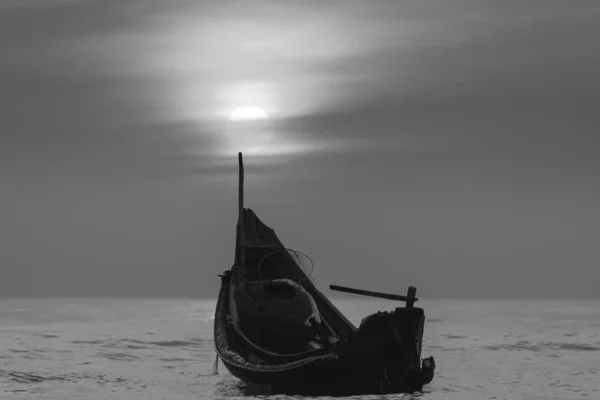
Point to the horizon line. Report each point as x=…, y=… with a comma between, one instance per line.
x=363, y=298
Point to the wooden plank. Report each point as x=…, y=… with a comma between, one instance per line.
x=387, y=296
x=411, y=296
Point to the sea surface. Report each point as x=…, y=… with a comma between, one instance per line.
x=64, y=349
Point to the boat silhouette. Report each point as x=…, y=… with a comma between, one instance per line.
x=273, y=326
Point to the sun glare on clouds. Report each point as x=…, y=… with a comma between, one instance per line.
x=250, y=114
x=248, y=129
x=245, y=63
x=247, y=113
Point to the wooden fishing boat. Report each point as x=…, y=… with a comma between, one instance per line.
x=272, y=326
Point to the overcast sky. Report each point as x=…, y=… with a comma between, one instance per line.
x=448, y=144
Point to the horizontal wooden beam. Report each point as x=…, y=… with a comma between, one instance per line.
x=387, y=296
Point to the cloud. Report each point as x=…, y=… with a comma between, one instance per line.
x=42, y=3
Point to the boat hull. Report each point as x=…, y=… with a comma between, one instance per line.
x=319, y=378
x=371, y=361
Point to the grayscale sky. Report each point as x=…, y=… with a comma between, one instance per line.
x=448, y=144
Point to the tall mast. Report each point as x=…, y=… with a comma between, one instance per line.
x=242, y=260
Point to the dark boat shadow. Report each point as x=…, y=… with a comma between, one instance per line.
x=232, y=387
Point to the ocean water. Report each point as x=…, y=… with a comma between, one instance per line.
x=97, y=349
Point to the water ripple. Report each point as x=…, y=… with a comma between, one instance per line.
x=141, y=344
x=118, y=356
x=537, y=347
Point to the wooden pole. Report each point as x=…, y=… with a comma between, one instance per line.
x=241, y=209
x=411, y=296
x=377, y=294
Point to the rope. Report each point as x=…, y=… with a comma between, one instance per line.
x=215, y=370
x=296, y=252
x=315, y=316
x=312, y=265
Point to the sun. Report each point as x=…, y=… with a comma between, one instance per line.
x=248, y=114
x=248, y=129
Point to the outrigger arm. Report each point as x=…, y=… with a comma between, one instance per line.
x=409, y=298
